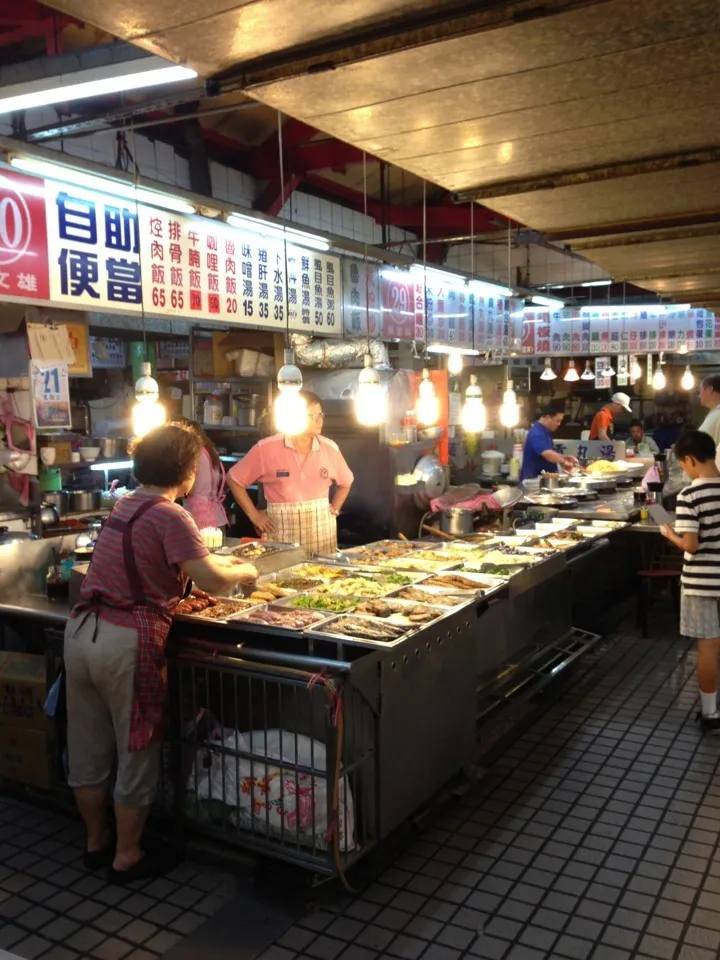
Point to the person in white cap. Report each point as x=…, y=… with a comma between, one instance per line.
x=601, y=427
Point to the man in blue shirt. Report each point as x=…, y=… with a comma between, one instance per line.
x=539, y=454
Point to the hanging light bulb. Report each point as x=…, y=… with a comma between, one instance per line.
x=688, y=380
x=290, y=410
x=571, y=374
x=588, y=373
x=147, y=412
x=509, y=409
x=455, y=363
x=370, y=403
x=609, y=370
x=636, y=369
x=473, y=416
x=659, y=379
x=682, y=348
x=548, y=373
x=427, y=409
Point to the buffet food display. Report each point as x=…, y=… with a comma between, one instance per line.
x=384, y=592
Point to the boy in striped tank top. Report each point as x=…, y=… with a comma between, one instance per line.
x=697, y=533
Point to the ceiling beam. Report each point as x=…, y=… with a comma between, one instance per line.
x=618, y=239
x=273, y=197
x=444, y=21
x=599, y=174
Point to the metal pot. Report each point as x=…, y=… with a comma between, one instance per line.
x=246, y=409
x=457, y=521
x=49, y=514
x=60, y=499
x=551, y=480
x=84, y=501
x=430, y=472
x=111, y=448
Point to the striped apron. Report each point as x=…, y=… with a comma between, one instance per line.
x=307, y=522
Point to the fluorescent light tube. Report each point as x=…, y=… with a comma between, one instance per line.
x=95, y=82
x=596, y=283
x=548, y=302
x=116, y=188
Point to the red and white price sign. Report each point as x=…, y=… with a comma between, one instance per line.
x=402, y=297
x=23, y=238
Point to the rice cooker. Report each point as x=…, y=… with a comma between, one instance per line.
x=490, y=461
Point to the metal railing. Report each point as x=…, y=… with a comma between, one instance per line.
x=271, y=752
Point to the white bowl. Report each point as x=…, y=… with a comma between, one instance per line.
x=89, y=453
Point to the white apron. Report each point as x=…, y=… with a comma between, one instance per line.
x=307, y=522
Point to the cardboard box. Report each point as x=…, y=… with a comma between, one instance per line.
x=24, y=757
x=23, y=689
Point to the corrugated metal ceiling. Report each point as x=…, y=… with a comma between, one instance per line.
x=563, y=92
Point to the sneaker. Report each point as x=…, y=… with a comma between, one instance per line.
x=710, y=724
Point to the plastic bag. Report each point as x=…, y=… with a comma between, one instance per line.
x=272, y=799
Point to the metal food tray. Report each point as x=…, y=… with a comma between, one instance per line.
x=196, y=618
x=341, y=638
x=409, y=604
x=353, y=601
x=437, y=566
x=279, y=631
x=384, y=546
x=354, y=571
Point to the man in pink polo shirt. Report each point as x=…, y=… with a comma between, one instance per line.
x=296, y=474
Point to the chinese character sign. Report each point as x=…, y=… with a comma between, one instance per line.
x=314, y=291
x=449, y=314
x=23, y=238
x=94, y=249
x=361, y=298
x=50, y=396
x=402, y=298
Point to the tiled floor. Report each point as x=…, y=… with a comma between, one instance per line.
x=51, y=908
x=593, y=835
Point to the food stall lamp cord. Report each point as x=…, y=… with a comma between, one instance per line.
x=291, y=415
x=659, y=378
x=148, y=412
x=509, y=409
x=455, y=363
x=688, y=380
x=571, y=374
x=588, y=373
x=370, y=402
x=427, y=410
x=548, y=373
x=473, y=416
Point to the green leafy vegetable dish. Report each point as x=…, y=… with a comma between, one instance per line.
x=333, y=604
x=401, y=579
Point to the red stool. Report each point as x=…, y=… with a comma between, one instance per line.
x=647, y=578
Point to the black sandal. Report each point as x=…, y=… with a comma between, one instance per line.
x=150, y=866
x=97, y=859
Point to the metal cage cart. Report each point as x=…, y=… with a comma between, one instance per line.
x=274, y=752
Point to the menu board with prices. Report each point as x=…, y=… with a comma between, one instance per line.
x=450, y=315
x=314, y=291
x=402, y=298
x=113, y=254
x=361, y=298
x=500, y=325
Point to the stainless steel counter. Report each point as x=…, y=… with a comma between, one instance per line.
x=618, y=507
x=51, y=612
